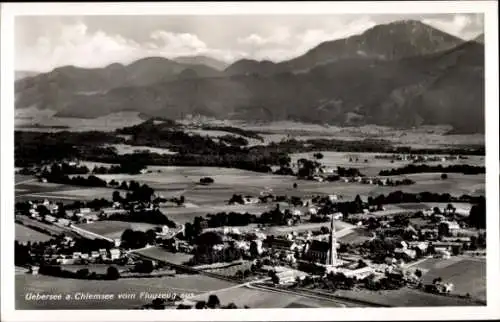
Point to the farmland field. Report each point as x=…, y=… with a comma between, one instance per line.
x=468, y=275
x=256, y=298
x=180, y=284
x=164, y=255
x=173, y=181
x=404, y=297
x=114, y=229
x=25, y=234
x=126, y=149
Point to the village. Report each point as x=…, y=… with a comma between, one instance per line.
x=303, y=244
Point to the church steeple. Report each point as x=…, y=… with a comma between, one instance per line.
x=332, y=254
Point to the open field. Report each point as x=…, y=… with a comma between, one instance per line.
x=373, y=166
x=256, y=298
x=26, y=234
x=106, y=123
x=164, y=255
x=404, y=297
x=174, y=181
x=46, y=226
x=53, y=191
x=356, y=236
x=468, y=275
x=424, y=136
x=114, y=229
x=127, y=149
x=180, y=284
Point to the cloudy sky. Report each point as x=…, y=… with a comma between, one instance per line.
x=45, y=42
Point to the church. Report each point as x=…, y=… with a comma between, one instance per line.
x=324, y=252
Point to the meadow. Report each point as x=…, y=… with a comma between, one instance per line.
x=114, y=229
x=262, y=299
x=468, y=275
x=24, y=234
x=164, y=255
x=179, y=284
x=404, y=297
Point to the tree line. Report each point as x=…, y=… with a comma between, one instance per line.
x=424, y=168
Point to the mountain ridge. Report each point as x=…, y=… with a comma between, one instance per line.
x=348, y=89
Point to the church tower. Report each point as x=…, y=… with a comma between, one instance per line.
x=332, y=254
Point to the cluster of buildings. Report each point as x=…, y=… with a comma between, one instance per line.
x=419, y=157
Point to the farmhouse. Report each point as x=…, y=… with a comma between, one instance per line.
x=49, y=218
x=114, y=253
x=453, y=227
x=63, y=222
x=34, y=269
x=404, y=253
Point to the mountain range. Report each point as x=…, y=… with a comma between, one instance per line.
x=399, y=74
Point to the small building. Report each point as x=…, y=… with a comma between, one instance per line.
x=453, y=227
x=280, y=244
x=77, y=255
x=34, y=269
x=114, y=253
x=406, y=254
x=390, y=260
x=442, y=252
x=218, y=247
x=49, y=218
x=85, y=210
x=94, y=254
x=338, y=216
x=63, y=221
x=359, y=273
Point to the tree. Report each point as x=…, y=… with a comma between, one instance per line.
x=295, y=185
x=213, y=301
x=443, y=229
x=200, y=305
x=158, y=304
x=318, y=156
x=418, y=273
x=437, y=280
x=206, y=180
x=444, y=176
x=477, y=214
x=116, y=196
x=82, y=273
x=112, y=273
x=231, y=306
x=254, y=251
x=275, y=278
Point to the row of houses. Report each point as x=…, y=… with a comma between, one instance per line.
x=75, y=257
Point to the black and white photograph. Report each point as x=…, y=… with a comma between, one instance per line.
x=296, y=161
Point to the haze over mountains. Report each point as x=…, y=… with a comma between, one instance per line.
x=400, y=74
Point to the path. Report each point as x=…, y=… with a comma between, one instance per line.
x=25, y=181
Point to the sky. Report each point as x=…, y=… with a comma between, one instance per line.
x=43, y=43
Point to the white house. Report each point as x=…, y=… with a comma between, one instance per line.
x=312, y=211
x=49, y=218
x=338, y=216
x=114, y=253
x=333, y=198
